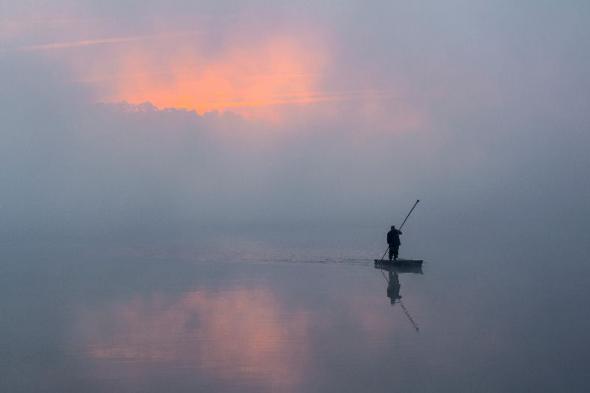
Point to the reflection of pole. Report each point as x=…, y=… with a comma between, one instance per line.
x=414, y=324
x=409, y=316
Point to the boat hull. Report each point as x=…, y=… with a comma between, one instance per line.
x=400, y=265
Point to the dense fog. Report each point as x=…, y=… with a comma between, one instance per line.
x=484, y=118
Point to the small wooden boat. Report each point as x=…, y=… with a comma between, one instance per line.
x=400, y=265
x=399, y=262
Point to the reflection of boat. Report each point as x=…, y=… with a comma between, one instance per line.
x=400, y=266
x=393, y=285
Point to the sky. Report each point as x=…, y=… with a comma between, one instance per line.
x=133, y=113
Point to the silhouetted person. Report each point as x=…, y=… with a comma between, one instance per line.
x=393, y=287
x=394, y=242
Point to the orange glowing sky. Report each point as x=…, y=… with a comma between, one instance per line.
x=241, y=77
x=270, y=74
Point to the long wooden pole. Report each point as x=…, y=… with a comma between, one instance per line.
x=387, y=249
x=411, y=210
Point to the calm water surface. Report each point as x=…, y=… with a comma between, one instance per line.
x=289, y=312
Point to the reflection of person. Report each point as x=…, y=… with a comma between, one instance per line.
x=393, y=242
x=393, y=287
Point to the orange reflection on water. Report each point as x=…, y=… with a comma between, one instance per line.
x=232, y=335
